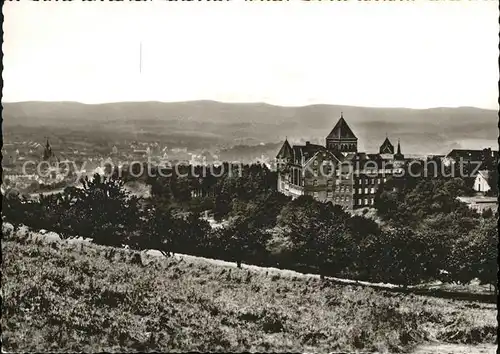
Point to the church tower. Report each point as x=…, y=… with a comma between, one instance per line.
x=47, y=152
x=341, y=138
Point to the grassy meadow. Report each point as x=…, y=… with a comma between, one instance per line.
x=63, y=296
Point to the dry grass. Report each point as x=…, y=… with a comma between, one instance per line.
x=60, y=296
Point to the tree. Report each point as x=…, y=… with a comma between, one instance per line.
x=160, y=191
x=396, y=255
x=108, y=213
x=493, y=183
x=158, y=231
x=245, y=241
x=318, y=233
x=15, y=208
x=485, y=249
x=193, y=236
x=487, y=213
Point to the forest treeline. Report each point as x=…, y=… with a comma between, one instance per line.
x=421, y=231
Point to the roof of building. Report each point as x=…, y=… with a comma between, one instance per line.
x=300, y=154
x=285, y=151
x=478, y=199
x=341, y=130
x=473, y=155
x=305, y=151
x=485, y=174
x=386, y=147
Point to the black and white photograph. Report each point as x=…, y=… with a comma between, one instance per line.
x=250, y=176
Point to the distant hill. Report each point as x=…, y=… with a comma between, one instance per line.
x=436, y=130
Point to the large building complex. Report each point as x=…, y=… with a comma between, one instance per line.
x=337, y=172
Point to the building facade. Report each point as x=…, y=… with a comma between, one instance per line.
x=337, y=172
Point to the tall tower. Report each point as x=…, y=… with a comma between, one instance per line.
x=398, y=155
x=341, y=138
x=47, y=152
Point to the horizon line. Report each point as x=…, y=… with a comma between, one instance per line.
x=252, y=102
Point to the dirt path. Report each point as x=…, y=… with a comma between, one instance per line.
x=456, y=349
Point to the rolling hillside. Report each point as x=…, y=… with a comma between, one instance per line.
x=434, y=130
x=156, y=304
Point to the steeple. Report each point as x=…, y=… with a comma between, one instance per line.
x=341, y=138
x=47, y=153
x=399, y=155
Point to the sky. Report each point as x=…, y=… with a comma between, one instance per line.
x=415, y=54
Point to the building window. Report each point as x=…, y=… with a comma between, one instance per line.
x=372, y=201
x=372, y=191
x=366, y=190
x=366, y=201
x=360, y=191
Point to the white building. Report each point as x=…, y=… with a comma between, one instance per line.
x=481, y=183
x=480, y=203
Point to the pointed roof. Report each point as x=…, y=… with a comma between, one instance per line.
x=387, y=147
x=302, y=153
x=341, y=130
x=399, y=155
x=285, y=151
